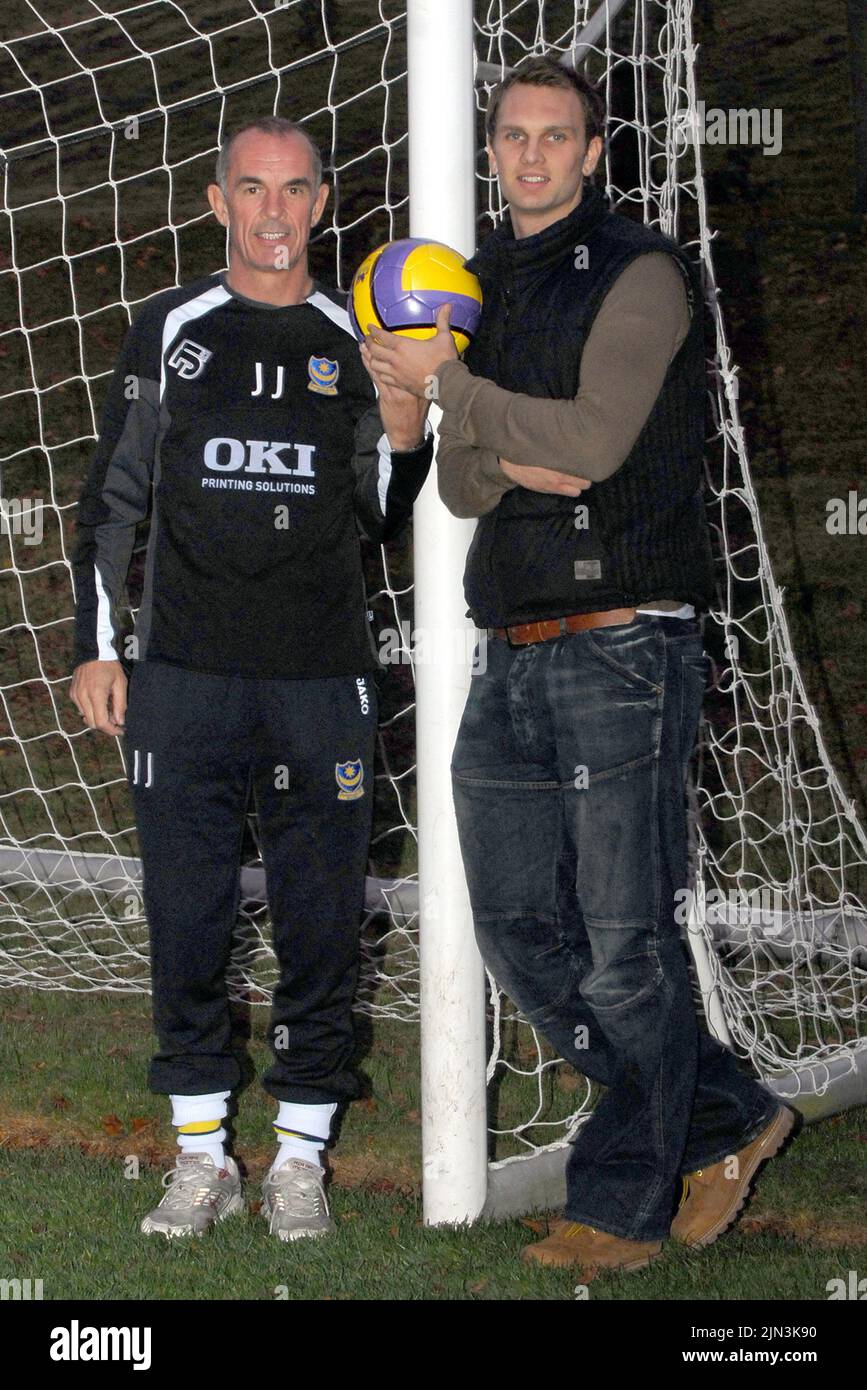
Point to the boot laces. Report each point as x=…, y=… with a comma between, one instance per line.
x=186, y=1187
x=296, y=1194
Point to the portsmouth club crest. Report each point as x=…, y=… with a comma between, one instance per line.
x=323, y=376
x=350, y=777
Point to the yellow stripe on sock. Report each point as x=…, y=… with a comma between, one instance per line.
x=200, y=1127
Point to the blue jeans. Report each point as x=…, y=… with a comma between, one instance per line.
x=568, y=776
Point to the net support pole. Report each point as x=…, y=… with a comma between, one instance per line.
x=442, y=208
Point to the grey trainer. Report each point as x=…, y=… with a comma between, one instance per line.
x=293, y=1201
x=199, y=1194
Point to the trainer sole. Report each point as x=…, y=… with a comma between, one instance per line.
x=234, y=1207
x=302, y=1234
x=286, y=1236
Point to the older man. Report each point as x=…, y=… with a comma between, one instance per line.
x=241, y=406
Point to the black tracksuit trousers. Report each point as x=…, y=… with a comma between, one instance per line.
x=196, y=745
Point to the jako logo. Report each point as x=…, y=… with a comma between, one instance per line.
x=362, y=694
x=257, y=456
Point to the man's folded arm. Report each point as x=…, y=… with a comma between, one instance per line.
x=470, y=480
x=641, y=323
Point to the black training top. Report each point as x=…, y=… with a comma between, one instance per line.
x=258, y=429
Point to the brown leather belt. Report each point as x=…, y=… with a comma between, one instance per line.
x=522, y=634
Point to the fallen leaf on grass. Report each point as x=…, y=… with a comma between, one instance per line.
x=533, y=1225
x=569, y=1082
x=112, y=1125
x=379, y=1185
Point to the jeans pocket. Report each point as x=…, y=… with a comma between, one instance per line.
x=631, y=651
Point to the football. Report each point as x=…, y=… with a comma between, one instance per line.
x=401, y=285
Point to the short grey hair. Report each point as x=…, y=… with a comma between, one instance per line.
x=269, y=125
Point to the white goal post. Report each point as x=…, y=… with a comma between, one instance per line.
x=442, y=152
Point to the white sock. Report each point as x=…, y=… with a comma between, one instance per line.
x=198, y=1122
x=302, y=1132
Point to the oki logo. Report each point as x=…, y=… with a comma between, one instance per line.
x=258, y=456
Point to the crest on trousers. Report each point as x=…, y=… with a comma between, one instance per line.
x=323, y=375
x=350, y=776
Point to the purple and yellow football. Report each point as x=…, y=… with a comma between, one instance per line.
x=401, y=285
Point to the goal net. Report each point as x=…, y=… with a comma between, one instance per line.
x=113, y=114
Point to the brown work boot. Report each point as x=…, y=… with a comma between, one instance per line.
x=571, y=1243
x=711, y=1200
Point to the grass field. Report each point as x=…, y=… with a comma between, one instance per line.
x=76, y=1122
x=87, y=1246
x=73, y=1103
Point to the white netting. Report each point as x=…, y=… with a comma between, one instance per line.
x=113, y=118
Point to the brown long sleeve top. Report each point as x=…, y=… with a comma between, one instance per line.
x=636, y=333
